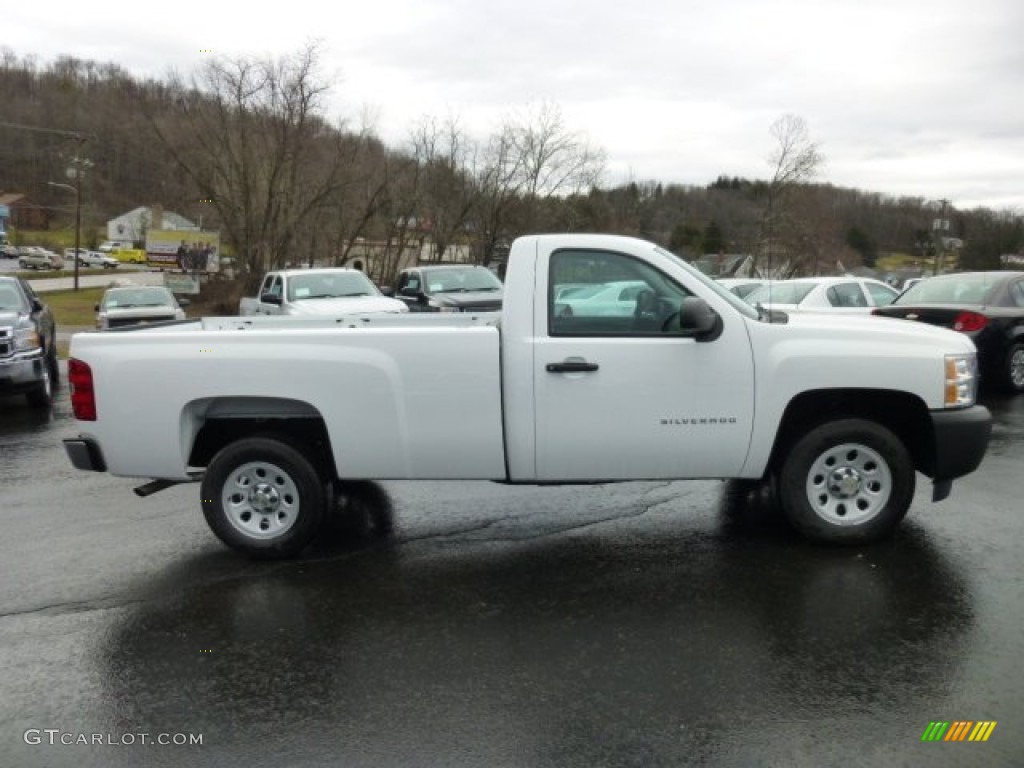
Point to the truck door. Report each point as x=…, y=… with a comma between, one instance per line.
x=619, y=393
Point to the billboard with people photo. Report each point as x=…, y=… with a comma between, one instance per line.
x=183, y=250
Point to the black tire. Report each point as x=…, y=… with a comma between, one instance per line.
x=1013, y=369
x=41, y=396
x=52, y=365
x=847, y=482
x=263, y=497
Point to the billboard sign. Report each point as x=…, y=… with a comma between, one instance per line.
x=183, y=249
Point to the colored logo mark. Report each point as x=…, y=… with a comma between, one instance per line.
x=958, y=730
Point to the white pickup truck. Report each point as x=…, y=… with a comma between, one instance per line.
x=272, y=414
x=328, y=291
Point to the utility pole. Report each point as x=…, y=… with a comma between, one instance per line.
x=938, y=226
x=74, y=171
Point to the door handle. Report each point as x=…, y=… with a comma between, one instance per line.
x=571, y=366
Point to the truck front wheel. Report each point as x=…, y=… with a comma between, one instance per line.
x=847, y=482
x=263, y=497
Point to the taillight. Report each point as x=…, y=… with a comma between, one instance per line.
x=967, y=322
x=83, y=397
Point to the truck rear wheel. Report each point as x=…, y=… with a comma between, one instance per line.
x=263, y=497
x=847, y=482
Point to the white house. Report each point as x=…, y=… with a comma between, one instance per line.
x=134, y=224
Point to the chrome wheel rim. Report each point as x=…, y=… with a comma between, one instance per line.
x=849, y=484
x=260, y=500
x=1017, y=368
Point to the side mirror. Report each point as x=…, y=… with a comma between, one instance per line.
x=183, y=303
x=96, y=308
x=698, y=319
x=387, y=290
x=412, y=293
x=270, y=298
x=37, y=305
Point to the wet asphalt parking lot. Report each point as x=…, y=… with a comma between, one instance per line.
x=473, y=624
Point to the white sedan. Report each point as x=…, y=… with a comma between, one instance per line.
x=850, y=295
x=614, y=299
x=93, y=259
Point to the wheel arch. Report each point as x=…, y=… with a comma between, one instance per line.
x=212, y=423
x=905, y=414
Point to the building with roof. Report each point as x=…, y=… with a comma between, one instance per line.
x=134, y=224
x=21, y=212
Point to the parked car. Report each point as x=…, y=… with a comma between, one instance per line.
x=91, y=258
x=33, y=257
x=741, y=286
x=449, y=288
x=135, y=305
x=988, y=307
x=851, y=295
x=28, y=344
x=328, y=291
x=617, y=298
x=9, y=251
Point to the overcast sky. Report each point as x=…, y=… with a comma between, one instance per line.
x=905, y=97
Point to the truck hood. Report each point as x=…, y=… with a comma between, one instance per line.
x=884, y=329
x=10, y=318
x=478, y=300
x=348, y=305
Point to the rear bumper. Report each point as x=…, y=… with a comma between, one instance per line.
x=85, y=454
x=961, y=439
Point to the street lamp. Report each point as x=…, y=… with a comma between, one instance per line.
x=77, y=189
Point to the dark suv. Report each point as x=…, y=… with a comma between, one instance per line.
x=449, y=288
x=28, y=348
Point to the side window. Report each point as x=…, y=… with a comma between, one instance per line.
x=1017, y=293
x=846, y=295
x=880, y=294
x=276, y=287
x=602, y=293
x=265, y=288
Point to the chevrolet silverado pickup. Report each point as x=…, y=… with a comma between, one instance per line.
x=28, y=344
x=273, y=415
x=327, y=291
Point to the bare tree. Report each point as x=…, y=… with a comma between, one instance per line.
x=533, y=158
x=444, y=153
x=795, y=161
x=249, y=135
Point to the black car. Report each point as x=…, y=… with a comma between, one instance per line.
x=449, y=288
x=988, y=307
x=28, y=351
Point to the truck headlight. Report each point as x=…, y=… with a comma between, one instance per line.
x=26, y=339
x=961, y=380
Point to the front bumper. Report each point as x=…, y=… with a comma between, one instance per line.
x=85, y=454
x=21, y=372
x=961, y=439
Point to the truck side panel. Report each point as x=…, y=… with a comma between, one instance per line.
x=418, y=403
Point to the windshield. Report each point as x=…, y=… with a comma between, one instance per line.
x=456, y=280
x=330, y=285
x=123, y=298
x=10, y=298
x=725, y=293
x=780, y=293
x=949, y=289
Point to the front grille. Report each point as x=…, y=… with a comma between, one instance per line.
x=6, y=342
x=121, y=322
x=490, y=306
